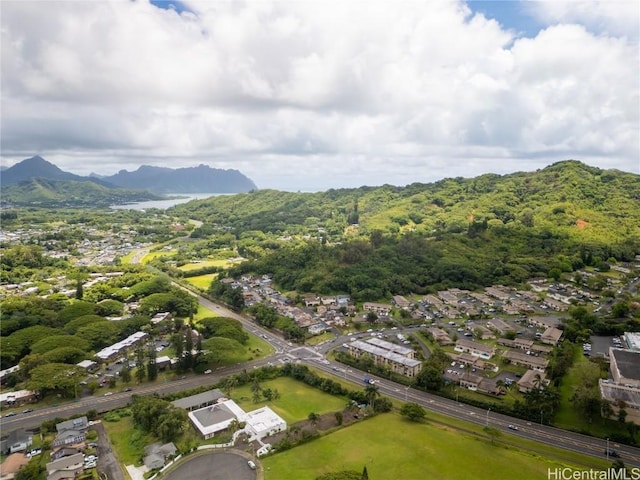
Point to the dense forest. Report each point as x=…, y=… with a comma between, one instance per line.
x=375, y=242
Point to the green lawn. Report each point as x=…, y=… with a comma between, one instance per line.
x=296, y=401
x=394, y=448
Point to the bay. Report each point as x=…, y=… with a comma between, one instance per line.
x=168, y=203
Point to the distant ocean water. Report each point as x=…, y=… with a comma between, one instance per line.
x=164, y=204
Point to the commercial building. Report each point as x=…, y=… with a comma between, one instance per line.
x=386, y=354
x=625, y=366
x=217, y=418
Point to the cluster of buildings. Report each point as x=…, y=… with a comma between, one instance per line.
x=318, y=314
x=211, y=413
x=398, y=359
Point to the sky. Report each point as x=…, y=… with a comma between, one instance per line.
x=316, y=94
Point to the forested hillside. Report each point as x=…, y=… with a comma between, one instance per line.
x=374, y=242
x=40, y=192
x=569, y=197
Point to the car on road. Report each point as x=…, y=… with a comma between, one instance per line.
x=27, y=410
x=128, y=389
x=252, y=465
x=108, y=394
x=207, y=372
x=513, y=427
x=612, y=453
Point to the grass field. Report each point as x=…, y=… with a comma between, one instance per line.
x=201, y=281
x=394, y=448
x=568, y=416
x=203, y=264
x=128, y=442
x=255, y=348
x=296, y=401
x=203, y=312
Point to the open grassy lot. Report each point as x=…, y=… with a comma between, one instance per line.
x=203, y=312
x=568, y=416
x=203, y=264
x=201, y=281
x=296, y=401
x=128, y=442
x=392, y=447
x=255, y=348
x=157, y=254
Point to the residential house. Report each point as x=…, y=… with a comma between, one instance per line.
x=401, y=302
x=544, y=322
x=65, y=468
x=17, y=441
x=538, y=364
x=551, y=336
x=156, y=454
x=80, y=423
x=474, y=348
x=500, y=326
x=532, y=379
x=441, y=336
x=377, y=308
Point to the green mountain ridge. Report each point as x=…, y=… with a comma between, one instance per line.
x=584, y=201
x=40, y=192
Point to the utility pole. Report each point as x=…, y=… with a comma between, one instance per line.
x=488, y=416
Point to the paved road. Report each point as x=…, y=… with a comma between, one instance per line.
x=214, y=466
x=108, y=465
x=541, y=433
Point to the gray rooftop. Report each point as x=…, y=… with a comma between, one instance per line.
x=210, y=396
x=628, y=362
x=214, y=414
x=382, y=352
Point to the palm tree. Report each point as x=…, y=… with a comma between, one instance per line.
x=372, y=392
x=537, y=380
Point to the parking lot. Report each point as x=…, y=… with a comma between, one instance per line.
x=214, y=466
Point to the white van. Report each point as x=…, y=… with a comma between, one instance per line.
x=252, y=465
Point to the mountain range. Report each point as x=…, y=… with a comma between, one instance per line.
x=200, y=179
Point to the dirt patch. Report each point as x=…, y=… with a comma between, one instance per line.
x=581, y=224
x=13, y=463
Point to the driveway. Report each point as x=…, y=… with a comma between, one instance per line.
x=214, y=466
x=107, y=462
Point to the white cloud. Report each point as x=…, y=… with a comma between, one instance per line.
x=612, y=17
x=307, y=95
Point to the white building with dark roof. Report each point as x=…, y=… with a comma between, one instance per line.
x=216, y=418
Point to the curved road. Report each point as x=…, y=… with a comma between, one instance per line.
x=285, y=352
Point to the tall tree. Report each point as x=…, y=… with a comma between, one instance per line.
x=152, y=366
x=140, y=369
